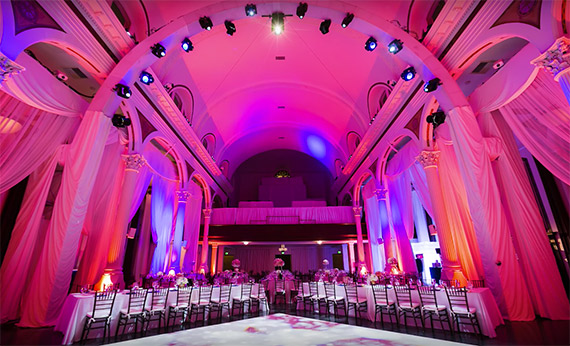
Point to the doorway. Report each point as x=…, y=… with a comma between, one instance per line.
x=338, y=261
x=228, y=262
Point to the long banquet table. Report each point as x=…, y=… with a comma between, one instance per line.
x=77, y=305
x=482, y=299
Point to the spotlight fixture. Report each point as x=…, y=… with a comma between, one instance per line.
x=302, y=10
x=395, y=46
x=230, y=27
x=349, y=17
x=206, y=23
x=120, y=120
x=436, y=118
x=158, y=50
x=250, y=10
x=146, y=78
x=431, y=85
x=122, y=91
x=277, y=23
x=187, y=45
x=371, y=44
x=325, y=26
x=408, y=73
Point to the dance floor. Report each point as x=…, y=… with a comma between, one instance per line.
x=282, y=329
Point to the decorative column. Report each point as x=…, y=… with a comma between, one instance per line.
x=387, y=237
x=220, y=261
x=203, y=265
x=178, y=231
x=359, y=243
x=345, y=261
x=8, y=68
x=429, y=159
x=133, y=162
x=351, y=256
x=556, y=60
x=214, y=258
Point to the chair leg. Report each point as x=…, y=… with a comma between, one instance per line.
x=85, y=329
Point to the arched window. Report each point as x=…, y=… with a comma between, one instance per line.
x=338, y=166
x=282, y=173
x=352, y=142
x=225, y=168
x=209, y=143
x=184, y=101
x=377, y=97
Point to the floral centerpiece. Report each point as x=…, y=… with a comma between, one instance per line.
x=335, y=275
x=181, y=281
x=229, y=277
x=278, y=262
x=393, y=262
x=325, y=263
x=236, y=263
x=279, y=275
x=375, y=278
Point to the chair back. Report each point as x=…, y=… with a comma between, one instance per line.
x=103, y=305
x=351, y=292
x=205, y=294
x=246, y=291
x=158, y=298
x=427, y=295
x=403, y=295
x=261, y=291
x=380, y=293
x=279, y=286
x=225, y=293
x=304, y=288
x=457, y=298
x=137, y=300
x=478, y=283
x=183, y=296
x=314, y=288
x=330, y=290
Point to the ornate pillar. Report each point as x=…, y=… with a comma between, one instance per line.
x=203, y=260
x=8, y=68
x=429, y=159
x=387, y=237
x=220, y=261
x=174, y=259
x=345, y=261
x=359, y=243
x=556, y=60
x=133, y=162
x=214, y=258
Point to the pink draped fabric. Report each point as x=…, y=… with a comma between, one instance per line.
x=145, y=246
x=419, y=181
x=373, y=226
x=48, y=288
x=28, y=137
x=99, y=221
x=540, y=119
x=53, y=96
x=246, y=216
x=502, y=272
x=457, y=207
x=26, y=240
x=527, y=228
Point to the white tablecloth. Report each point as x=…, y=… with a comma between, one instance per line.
x=77, y=305
x=488, y=312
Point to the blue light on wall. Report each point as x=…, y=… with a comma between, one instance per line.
x=316, y=146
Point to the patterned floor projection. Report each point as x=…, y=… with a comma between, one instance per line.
x=281, y=329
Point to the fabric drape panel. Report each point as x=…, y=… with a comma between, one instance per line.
x=162, y=213
x=51, y=279
x=540, y=119
x=144, y=240
x=100, y=219
x=419, y=181
x=191, y=236
x=457, y=207
x=524, y=216
x=177, y=237
x=502, y=273
x=27, y=239
x=373, y=226
x=23, y=150
x=54, y=97
x=420, y=221
x=141, y=187
x=303, y=258
x=246, y=216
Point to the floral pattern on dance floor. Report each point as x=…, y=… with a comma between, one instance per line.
x=283, y=330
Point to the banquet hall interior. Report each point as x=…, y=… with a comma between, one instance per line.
x=285, y=172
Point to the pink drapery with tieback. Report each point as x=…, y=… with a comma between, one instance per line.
x=502, y=272
x=26, y=241
x=540, y=119
x=531, y=242
x=49, y=285
x=100, y=217
x=28, y=137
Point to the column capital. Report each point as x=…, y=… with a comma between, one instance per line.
x=8, y=68
x=183, y=196
x=133, y=161
x=214, y=245
x=357, y=211
x=556, y=59
x=428, y=158
x=381, y=193
x=207, y=213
